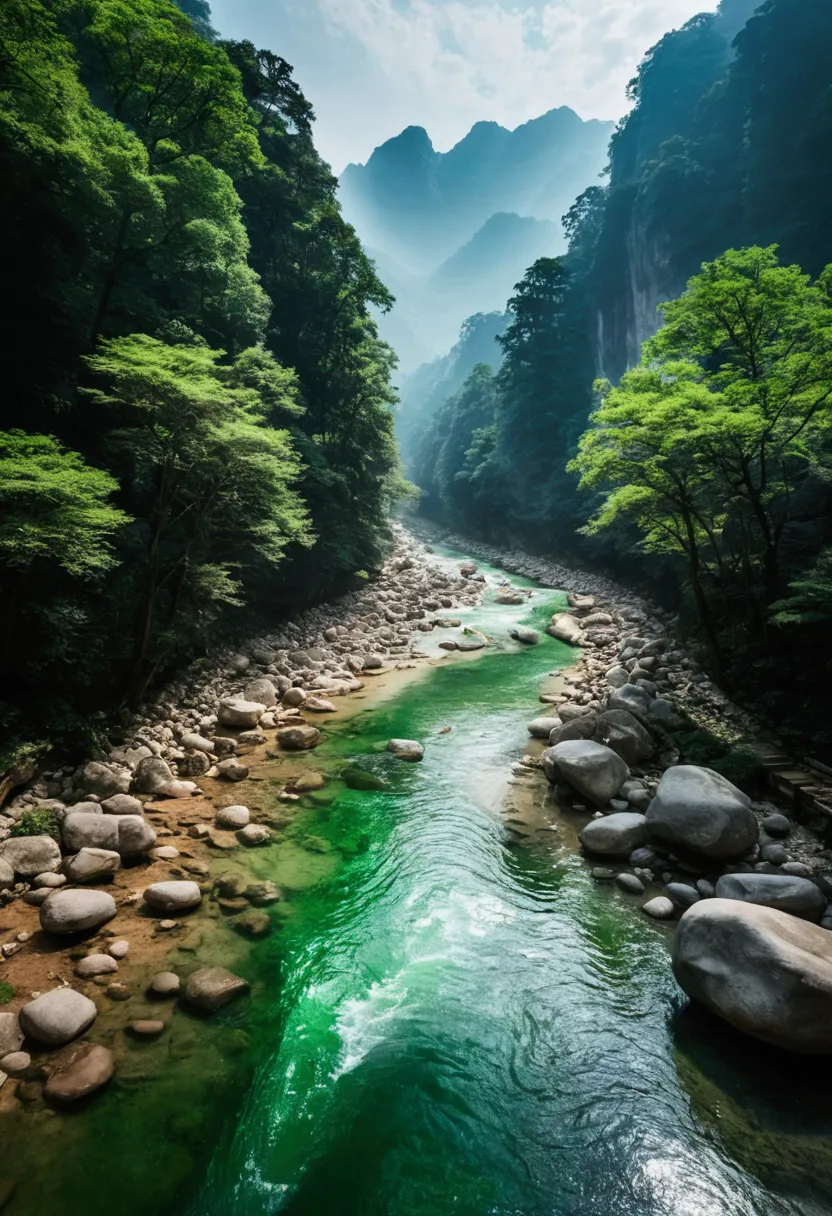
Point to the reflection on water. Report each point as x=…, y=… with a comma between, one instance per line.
x=450, y=1022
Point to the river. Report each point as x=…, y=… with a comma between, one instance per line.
x=453, y=1017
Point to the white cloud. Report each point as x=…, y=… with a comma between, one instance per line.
x=372, y=67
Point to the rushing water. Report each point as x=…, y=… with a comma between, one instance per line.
x=454, y=1018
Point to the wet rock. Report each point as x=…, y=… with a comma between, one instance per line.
x=64, y=912
x=786, y=893
x=542, y=728
x=566, y=628
x=614, y=835
x=11, y=1035
x=406, y=749
x=253, y=924
x=86, y=1069
x=659, y=908
x=308, y=781
x=240, y=713
x=705, y=888
x=31, y=855
x=96, y=964
x=299, y=738
x=147, y=1028
x=57, y=1017
x=767, y=973
x=356, y=778
x=595, y=771
x=261, y=894
x=232, y=770
x=211, y=988
x=254, y=835
x=529, y=637
x=583, y=727
x=178, y=895
x=699, y=810
x=682, y=895
x=91, y=865
x=630, y=884
x=165, y=984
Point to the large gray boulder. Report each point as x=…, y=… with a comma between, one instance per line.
x=595, y=771
x=632, y=698
x=127, y=835
x=786, y=893
x=406, y=749
x=72, y=911
x=31, y=855
x=767, y=973
x=620, y=730
x=239, y=713
x=57, y=1017
x=615, y=835
x=698, y=810
x=299, y=738
x=541, y=728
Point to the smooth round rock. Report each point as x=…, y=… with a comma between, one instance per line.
x=92, y=865
x=767, y=973
x=659, y=908
x=87, y=1068
x=254, y=835
x=697, y=809
x=96, y=964
x=797, y=896
x=682, y=895
x=147, y=1028
x=177, y=895
x=29, y=856
x=165, y=983
x=74, y=911
x=57, y=1017
x=299, y=738
x=595, y=771
x=233, y=817
x=240, y=713
x=118, y=949
x=49, y=881
x=777, y=826
x=774, y=854
x=212, y=988
x=630, y=884
x=15, y=1063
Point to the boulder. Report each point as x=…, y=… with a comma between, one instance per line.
x=568, y=712
x=127, y=835
x=7, y=875
x=254, y=834
x=122, y=804
x=293, y=698
x=194, y=764
x=31, y=855
x=632, y=698
x=57, y=1017
x=620, y=730
x=211, y=988
x=595, y=771
x=579, y=728
x=239, y=713
x=261, y=690
x=542, y=728
x=11, y=1035
x=614, y=835
x=319, y=705
x=299, y=738
x=659, y=908
x=406, y=749
x=566, y=628
x=233, y=817
x=617, y=677
x=682, y=895
x=98, y=779
x=153, y=775
x=767, y=973
x=698, y=810
x=16, y=1063
x=529, y=637
x=83, y=1071
x=70, y=911
x=91, y=865
x=178, y=895
x=798, y=896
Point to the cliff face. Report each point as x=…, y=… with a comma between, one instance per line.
x=722, y=149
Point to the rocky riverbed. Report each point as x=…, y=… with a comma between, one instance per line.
x=109, y=869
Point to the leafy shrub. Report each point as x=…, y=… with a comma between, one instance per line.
x=40, y=822
x=7, y=991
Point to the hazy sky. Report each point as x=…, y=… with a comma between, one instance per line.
x=373, y=67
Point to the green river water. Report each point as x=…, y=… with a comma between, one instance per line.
x=449, y=1018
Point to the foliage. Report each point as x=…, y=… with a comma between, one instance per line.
x=7, y=992
x=39, y=822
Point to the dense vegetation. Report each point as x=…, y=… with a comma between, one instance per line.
x=198, y=409
x=706, y=470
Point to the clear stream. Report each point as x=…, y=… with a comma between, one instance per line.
x=451, y=1017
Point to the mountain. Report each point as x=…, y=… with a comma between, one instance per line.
x=451, y=233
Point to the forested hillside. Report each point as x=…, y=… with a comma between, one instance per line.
x=197, y=407
x=725, y=148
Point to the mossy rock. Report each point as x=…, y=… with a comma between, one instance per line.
x=357, y=778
